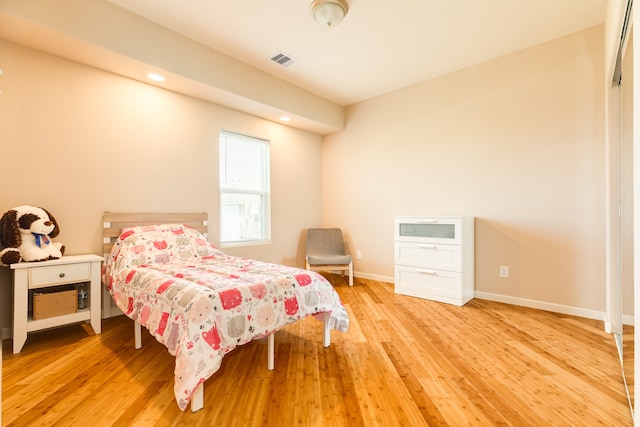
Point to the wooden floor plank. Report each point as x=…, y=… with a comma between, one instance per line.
x=404, y=361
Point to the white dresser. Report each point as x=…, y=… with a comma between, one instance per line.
x=434, y=258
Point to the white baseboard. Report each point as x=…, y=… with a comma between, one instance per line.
x=523, y=302
x=114, y=311
x=542, y=305
x=373, y=277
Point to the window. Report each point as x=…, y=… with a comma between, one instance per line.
x=244, y=189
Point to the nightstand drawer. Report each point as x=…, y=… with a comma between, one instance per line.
x=442, y=257
x=59, y=274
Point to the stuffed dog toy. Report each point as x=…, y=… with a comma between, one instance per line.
x=26, y=233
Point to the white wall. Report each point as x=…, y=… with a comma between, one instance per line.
x=79, y=141
x=517, y=142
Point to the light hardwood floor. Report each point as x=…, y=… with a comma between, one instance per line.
x=404, y=361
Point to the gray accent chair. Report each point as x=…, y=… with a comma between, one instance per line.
x=326, y=251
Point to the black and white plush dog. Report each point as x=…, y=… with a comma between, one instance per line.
x=26, y=233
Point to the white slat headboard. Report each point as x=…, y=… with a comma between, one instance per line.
x=114, y=222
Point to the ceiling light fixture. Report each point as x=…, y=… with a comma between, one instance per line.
x=329, y=13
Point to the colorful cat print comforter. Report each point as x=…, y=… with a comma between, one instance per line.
x=201, y=303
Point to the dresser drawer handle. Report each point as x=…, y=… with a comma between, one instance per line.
x=422, y=270
x=427, y=246
x=61, y=275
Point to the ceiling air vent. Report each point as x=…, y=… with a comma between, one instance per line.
x=283, y=59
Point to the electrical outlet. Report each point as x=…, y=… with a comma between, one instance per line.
x=358, y=254
x=504, y=271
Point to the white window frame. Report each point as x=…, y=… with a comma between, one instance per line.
x=263, y=222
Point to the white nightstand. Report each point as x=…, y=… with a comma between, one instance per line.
x=68, y=270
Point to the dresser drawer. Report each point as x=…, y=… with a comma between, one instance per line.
x=441, y=257
x=59, y=274
x=446, y=230
x=428, y=283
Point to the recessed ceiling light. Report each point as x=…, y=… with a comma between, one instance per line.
x=285, y=118
x=155, y=77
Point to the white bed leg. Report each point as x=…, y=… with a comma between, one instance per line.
x=137, y=334
x=197, y=398
x=326, y=331
x=271, y=357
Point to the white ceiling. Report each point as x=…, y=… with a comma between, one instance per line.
x=381, y=46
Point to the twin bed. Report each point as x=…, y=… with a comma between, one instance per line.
x=201, y=303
